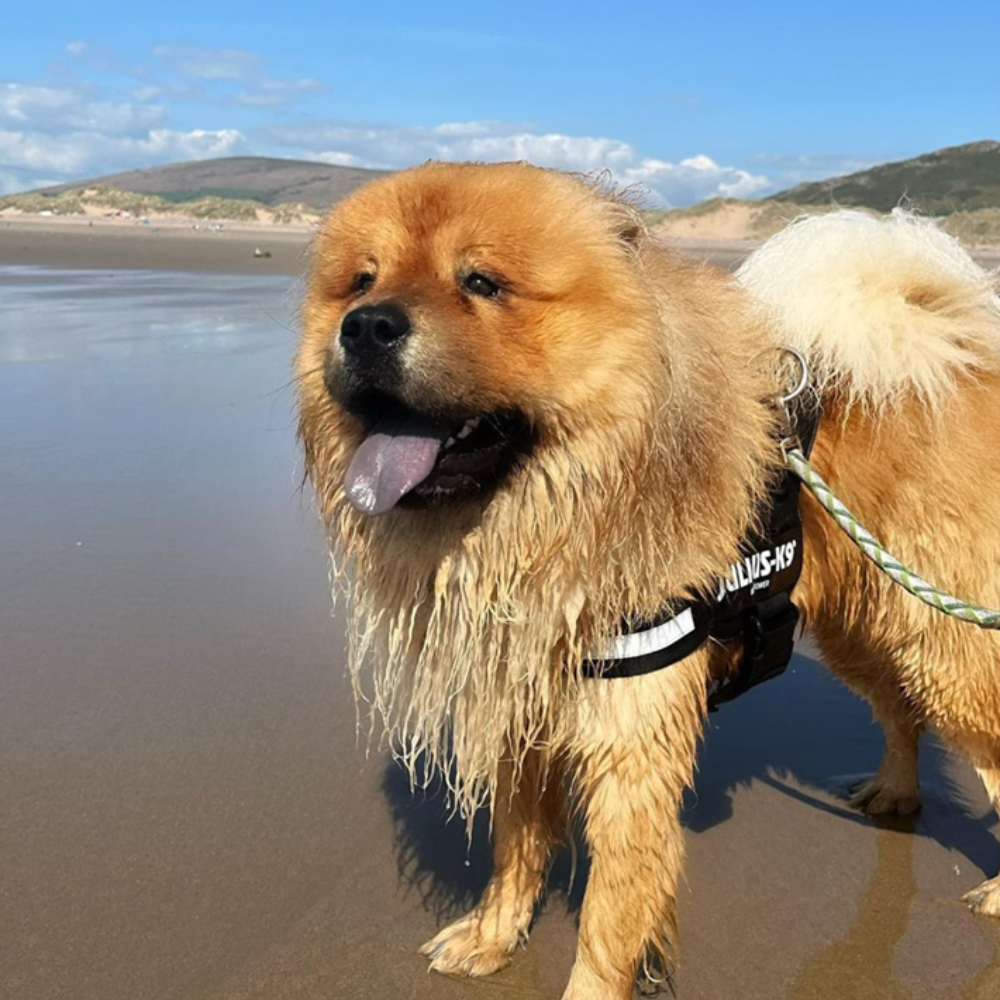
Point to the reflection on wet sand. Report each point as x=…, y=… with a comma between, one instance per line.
x=137, y=316
x=986, y=985
x=861, y=963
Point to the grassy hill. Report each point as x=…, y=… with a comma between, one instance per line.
x=260, y=179
x=955, y=179
x=960, y=185
x=100, y=201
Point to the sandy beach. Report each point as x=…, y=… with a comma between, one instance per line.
x=187, y=813
x=111, y=244
x=128, y=245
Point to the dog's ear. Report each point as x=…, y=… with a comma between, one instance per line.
x=630, y=228
x=624, y=206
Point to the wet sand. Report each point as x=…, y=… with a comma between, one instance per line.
x=184, y=811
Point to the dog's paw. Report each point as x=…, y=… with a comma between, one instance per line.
x=985, y=899
x=472, y=946
x=878, y=796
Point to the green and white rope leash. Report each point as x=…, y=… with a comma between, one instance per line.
x=882, y=557
x=861, y=536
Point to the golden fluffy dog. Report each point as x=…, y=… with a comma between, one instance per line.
x=526, y=421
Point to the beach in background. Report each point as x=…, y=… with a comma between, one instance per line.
x=236, y=248
x=112, y=244
x=187, y=809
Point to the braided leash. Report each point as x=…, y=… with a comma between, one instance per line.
x=879, y=555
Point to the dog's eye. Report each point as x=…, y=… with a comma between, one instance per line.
x=363, y=282
x=479, y=284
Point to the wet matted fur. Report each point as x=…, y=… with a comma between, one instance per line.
x=647, y=384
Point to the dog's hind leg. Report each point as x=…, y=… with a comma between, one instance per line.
x=633, y=757
x=985, y=899
x=527, y=822
x=894, y=789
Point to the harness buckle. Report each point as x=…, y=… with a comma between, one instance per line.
x=770, y=637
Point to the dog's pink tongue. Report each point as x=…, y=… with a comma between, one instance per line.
x=397, y=455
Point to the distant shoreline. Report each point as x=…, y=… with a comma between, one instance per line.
x=111, y=244
x=232, y=248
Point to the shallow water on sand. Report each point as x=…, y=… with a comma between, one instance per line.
x=183, y=809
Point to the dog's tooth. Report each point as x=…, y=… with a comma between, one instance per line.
x=466, y=431
x=449, y=442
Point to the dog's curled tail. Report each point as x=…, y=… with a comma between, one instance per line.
x=883, y=307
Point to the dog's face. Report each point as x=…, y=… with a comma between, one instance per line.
x=460, y=317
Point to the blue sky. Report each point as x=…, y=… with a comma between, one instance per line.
x=690, y=100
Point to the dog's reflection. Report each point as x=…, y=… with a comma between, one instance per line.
x=860, y=964
x=986, y=985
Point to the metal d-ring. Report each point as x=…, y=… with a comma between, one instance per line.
x=803, y=378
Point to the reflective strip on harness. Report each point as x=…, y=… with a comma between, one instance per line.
x=643, y=647
x=656, y=639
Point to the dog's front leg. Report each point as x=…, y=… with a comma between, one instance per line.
x=528, y=818
x=634, y=756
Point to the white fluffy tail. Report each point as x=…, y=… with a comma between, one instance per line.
x=882, y=307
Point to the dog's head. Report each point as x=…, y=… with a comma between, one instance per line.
x=461, y=317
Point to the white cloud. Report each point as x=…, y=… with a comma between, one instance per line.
x=791, y=169
x=60, y=109
x=53, y=134
x=209, y=64
x=12, y=181
x=695, y=179
x=216, y=70
x=340, y=159
x=19, y=102
x=86, y=154
x=271, y=92
x=148, y=93
x=681, y=183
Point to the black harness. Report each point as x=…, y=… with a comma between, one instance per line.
x=752, y=605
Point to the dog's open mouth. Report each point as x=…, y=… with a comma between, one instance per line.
x=410, y=459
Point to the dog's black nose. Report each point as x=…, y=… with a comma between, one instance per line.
x=371, y=331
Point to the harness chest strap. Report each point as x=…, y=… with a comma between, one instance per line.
x=752, y=604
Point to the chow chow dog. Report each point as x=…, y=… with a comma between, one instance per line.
x=526, y=422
